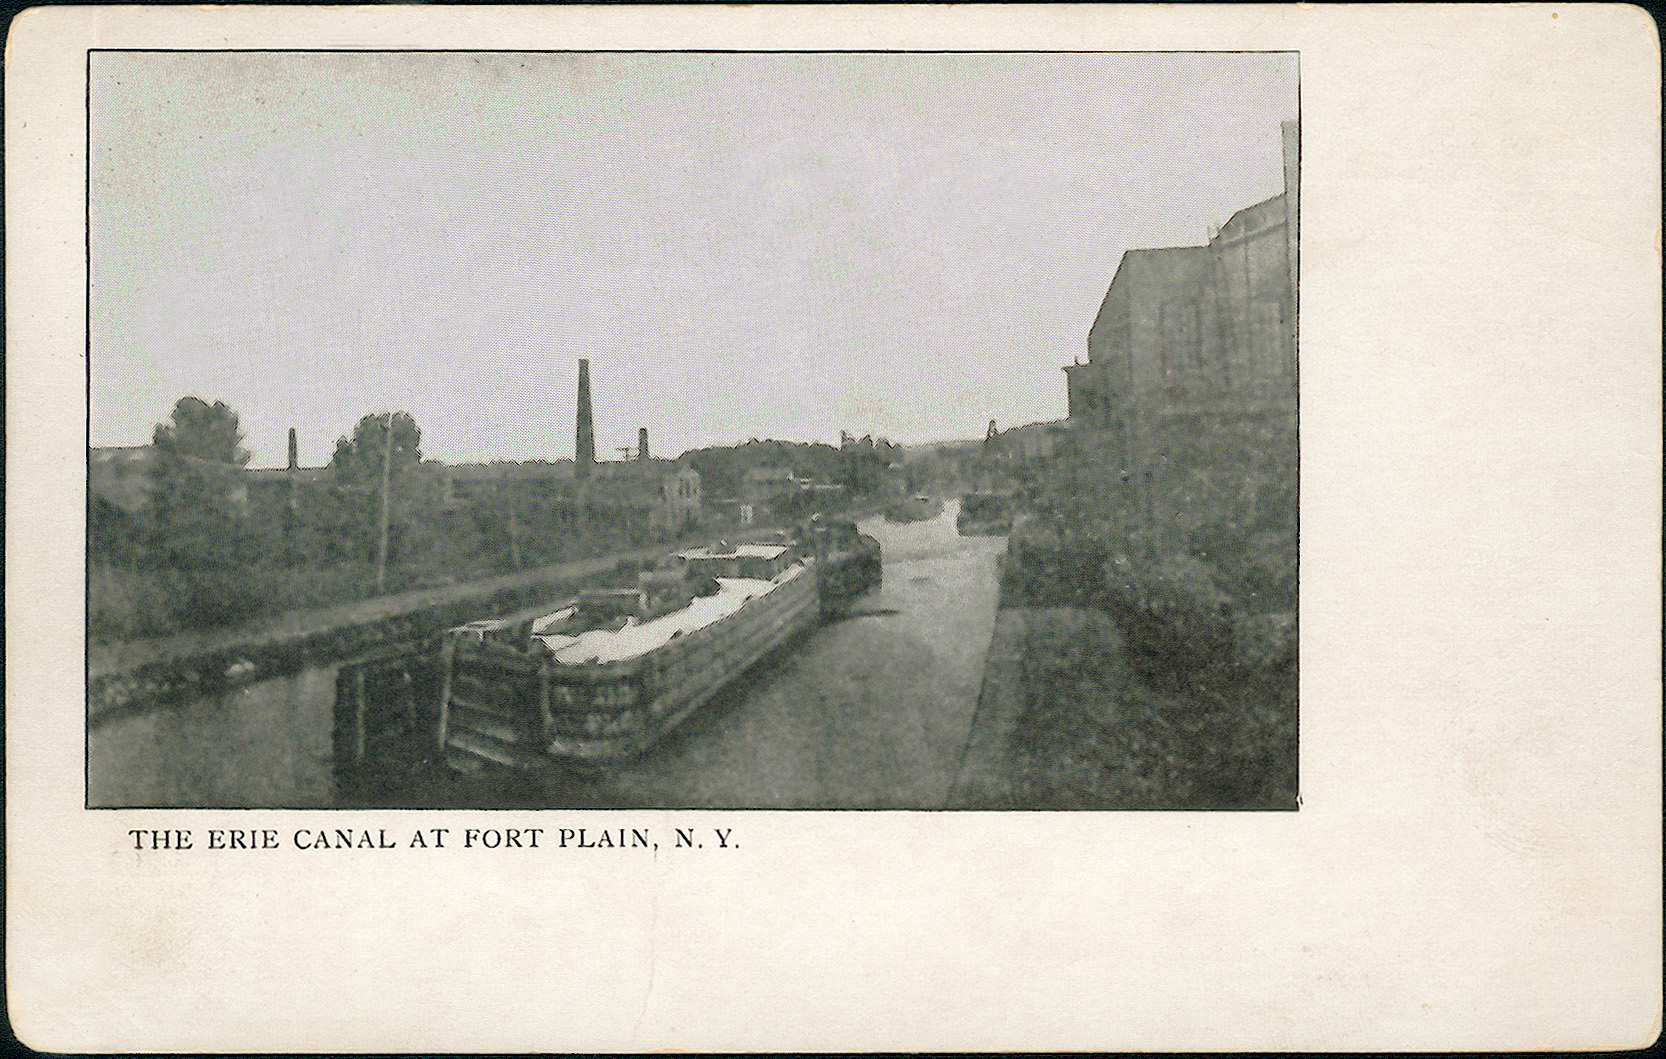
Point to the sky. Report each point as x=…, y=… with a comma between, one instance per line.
x=757, y=245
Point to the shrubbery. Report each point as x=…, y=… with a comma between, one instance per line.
x=1189, y=700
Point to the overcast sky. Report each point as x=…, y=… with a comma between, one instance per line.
x=743, y=245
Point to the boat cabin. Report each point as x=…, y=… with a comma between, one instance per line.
x=763, y=562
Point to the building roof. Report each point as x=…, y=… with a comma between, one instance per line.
x=1268, y=213
x=1160, y=261
x=114, y=453
x=743, y=551
x=509, y=469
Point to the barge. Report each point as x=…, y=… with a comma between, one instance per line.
x=607, y=674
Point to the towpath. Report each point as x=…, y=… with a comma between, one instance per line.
x=106, y=659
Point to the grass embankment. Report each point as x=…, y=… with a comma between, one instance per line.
x=1144, y=688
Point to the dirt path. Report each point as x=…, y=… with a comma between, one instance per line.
x=107, y=659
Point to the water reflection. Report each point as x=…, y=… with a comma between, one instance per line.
x=266, y=744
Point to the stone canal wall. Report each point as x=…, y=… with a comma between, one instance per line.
x=208, y=664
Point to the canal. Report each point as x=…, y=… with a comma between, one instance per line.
x=870, y=711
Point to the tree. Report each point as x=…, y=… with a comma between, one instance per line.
x=202, y=431
x=374, y=470
x=198, y=492
x=199, y=508
x=357, y=461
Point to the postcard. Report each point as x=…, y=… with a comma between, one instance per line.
x=833, y=528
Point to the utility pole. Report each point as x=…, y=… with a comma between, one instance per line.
x=514, y=524
x=291, y=508
x=382, y=534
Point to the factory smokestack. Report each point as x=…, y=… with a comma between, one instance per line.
x=641, y=443
x=584, y=446
x=294, y=457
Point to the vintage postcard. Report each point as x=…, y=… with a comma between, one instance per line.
x=810, y=528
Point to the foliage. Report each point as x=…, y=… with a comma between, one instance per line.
x=119, y=536
x=1092, y=734
x=859, y=466
x=197, y=492
x=390, y=440
x=723, y=467
x=1187, y=697
x=215, y=545
x=125, y=603
x=358, y=457
x=862, y=470
x=203, y=431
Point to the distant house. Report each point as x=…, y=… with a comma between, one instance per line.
x=667, y=491
x=682, y=498
x=1032, y=440
x=762, y=484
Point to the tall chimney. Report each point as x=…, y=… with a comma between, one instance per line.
x=294, y=459
x=641, y=443
x=584, y=446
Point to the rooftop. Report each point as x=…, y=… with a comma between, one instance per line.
x=744, y=551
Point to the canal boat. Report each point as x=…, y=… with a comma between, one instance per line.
x=610, y=672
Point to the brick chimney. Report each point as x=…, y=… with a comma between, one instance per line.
x=641, y=443
x=584, y=445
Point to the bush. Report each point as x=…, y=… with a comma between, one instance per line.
x=211, y=598
x=1174, y=619
x=1091, y=737
x=126, y=604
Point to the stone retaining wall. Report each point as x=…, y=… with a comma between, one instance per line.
x=157, y=683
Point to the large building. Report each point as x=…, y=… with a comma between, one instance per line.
x=1179, y=322
x=1188, y=342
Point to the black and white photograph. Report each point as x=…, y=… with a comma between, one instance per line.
x=875, y=430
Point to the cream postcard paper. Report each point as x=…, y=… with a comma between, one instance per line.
x=1466, y=854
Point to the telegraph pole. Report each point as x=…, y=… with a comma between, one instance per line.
x=382, y=533
x=514, y=523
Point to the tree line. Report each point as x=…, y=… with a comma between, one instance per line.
x=212, y=545
x=216, y=545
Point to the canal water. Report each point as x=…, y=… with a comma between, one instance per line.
x=266, y=744
x=870, y=711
